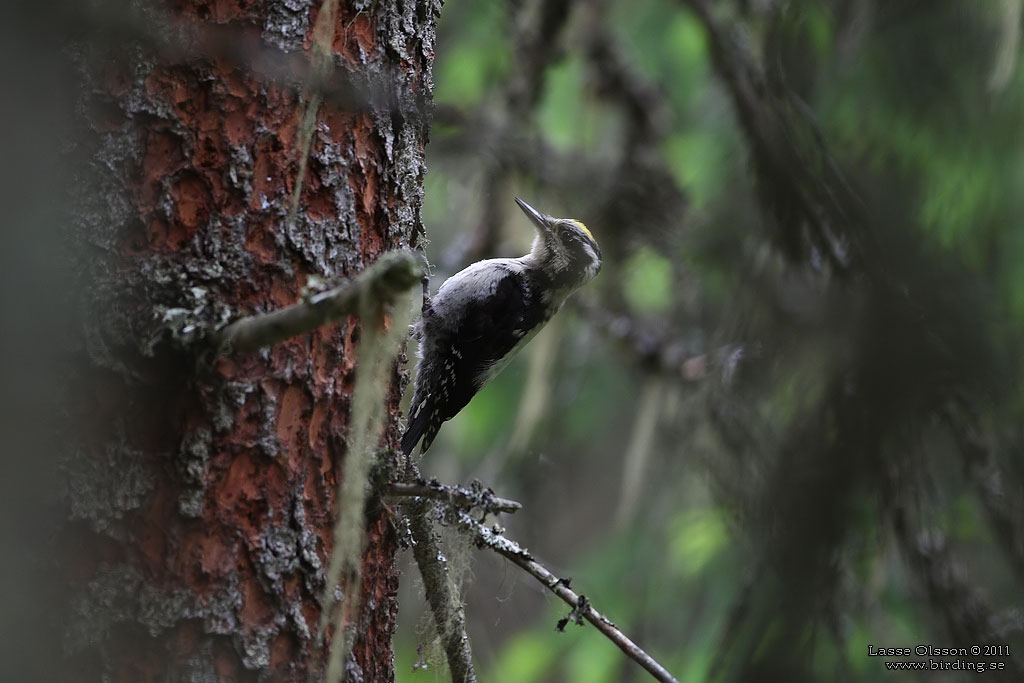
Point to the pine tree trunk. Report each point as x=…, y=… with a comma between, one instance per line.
x=201, y=495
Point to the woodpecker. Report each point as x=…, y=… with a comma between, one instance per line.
x=483, y=315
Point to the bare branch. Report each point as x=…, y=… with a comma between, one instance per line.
x=393, y=273
x=537, y=47
x=978, y=452
x=581, y=607
x=647, y=109
x=657, y=352
x=476, y=497
x=967, y=615
x=799, y=182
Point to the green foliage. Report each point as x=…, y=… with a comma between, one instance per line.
x=527, y=657
x=669, y=46
x=698, y=160
x=564, y=113
x=696, y=537
x=476, y=429
x=589, y=416
x=593, y=659
x=648, y=282
x=902, y=100
x=470, y=62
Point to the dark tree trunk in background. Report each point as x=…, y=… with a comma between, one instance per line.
x=201, y=499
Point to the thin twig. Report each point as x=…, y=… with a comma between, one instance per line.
x=493, y=539
x=449, y=616
x=456, y=495
x=392, y=274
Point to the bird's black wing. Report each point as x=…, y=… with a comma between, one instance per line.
x=488, y=329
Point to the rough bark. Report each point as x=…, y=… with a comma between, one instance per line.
x=200, y=499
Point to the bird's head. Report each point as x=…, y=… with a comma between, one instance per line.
x=564, y=248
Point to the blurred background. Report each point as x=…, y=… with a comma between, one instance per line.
x=783, y=424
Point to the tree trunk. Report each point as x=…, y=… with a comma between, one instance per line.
x=201, y=497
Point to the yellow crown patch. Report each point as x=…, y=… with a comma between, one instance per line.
x=586, y=231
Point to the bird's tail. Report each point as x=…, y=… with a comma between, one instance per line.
x=424, y=423
x=417, y=426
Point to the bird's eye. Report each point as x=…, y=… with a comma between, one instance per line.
x=575, y=227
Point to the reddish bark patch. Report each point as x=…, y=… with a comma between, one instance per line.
x=350, y=343
x=204, y=555
x=238, y=127
x=259, y=241
x=267, y=181
x=288, y=130
x=188, y=638
x=354, y=38
x=241, y=485
x=317, y=424
x=256, y=608
x=164, y=157
x=158, y=232
x=379, y=584
x=364, y=31
x=283, y=293
x=364, y=139
x=282, y=650
x=226, y=663
x=226, y=367
x=209, y=154
x=248, y=423
x=336, y=124
x=192, y=209
x=325, y=352
x=294, y=404
x=369, y=193
x=174, y=87
x=236, y=83
x=228, y=10
x=320, y=206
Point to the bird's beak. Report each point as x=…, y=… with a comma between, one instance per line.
x=540, y=220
